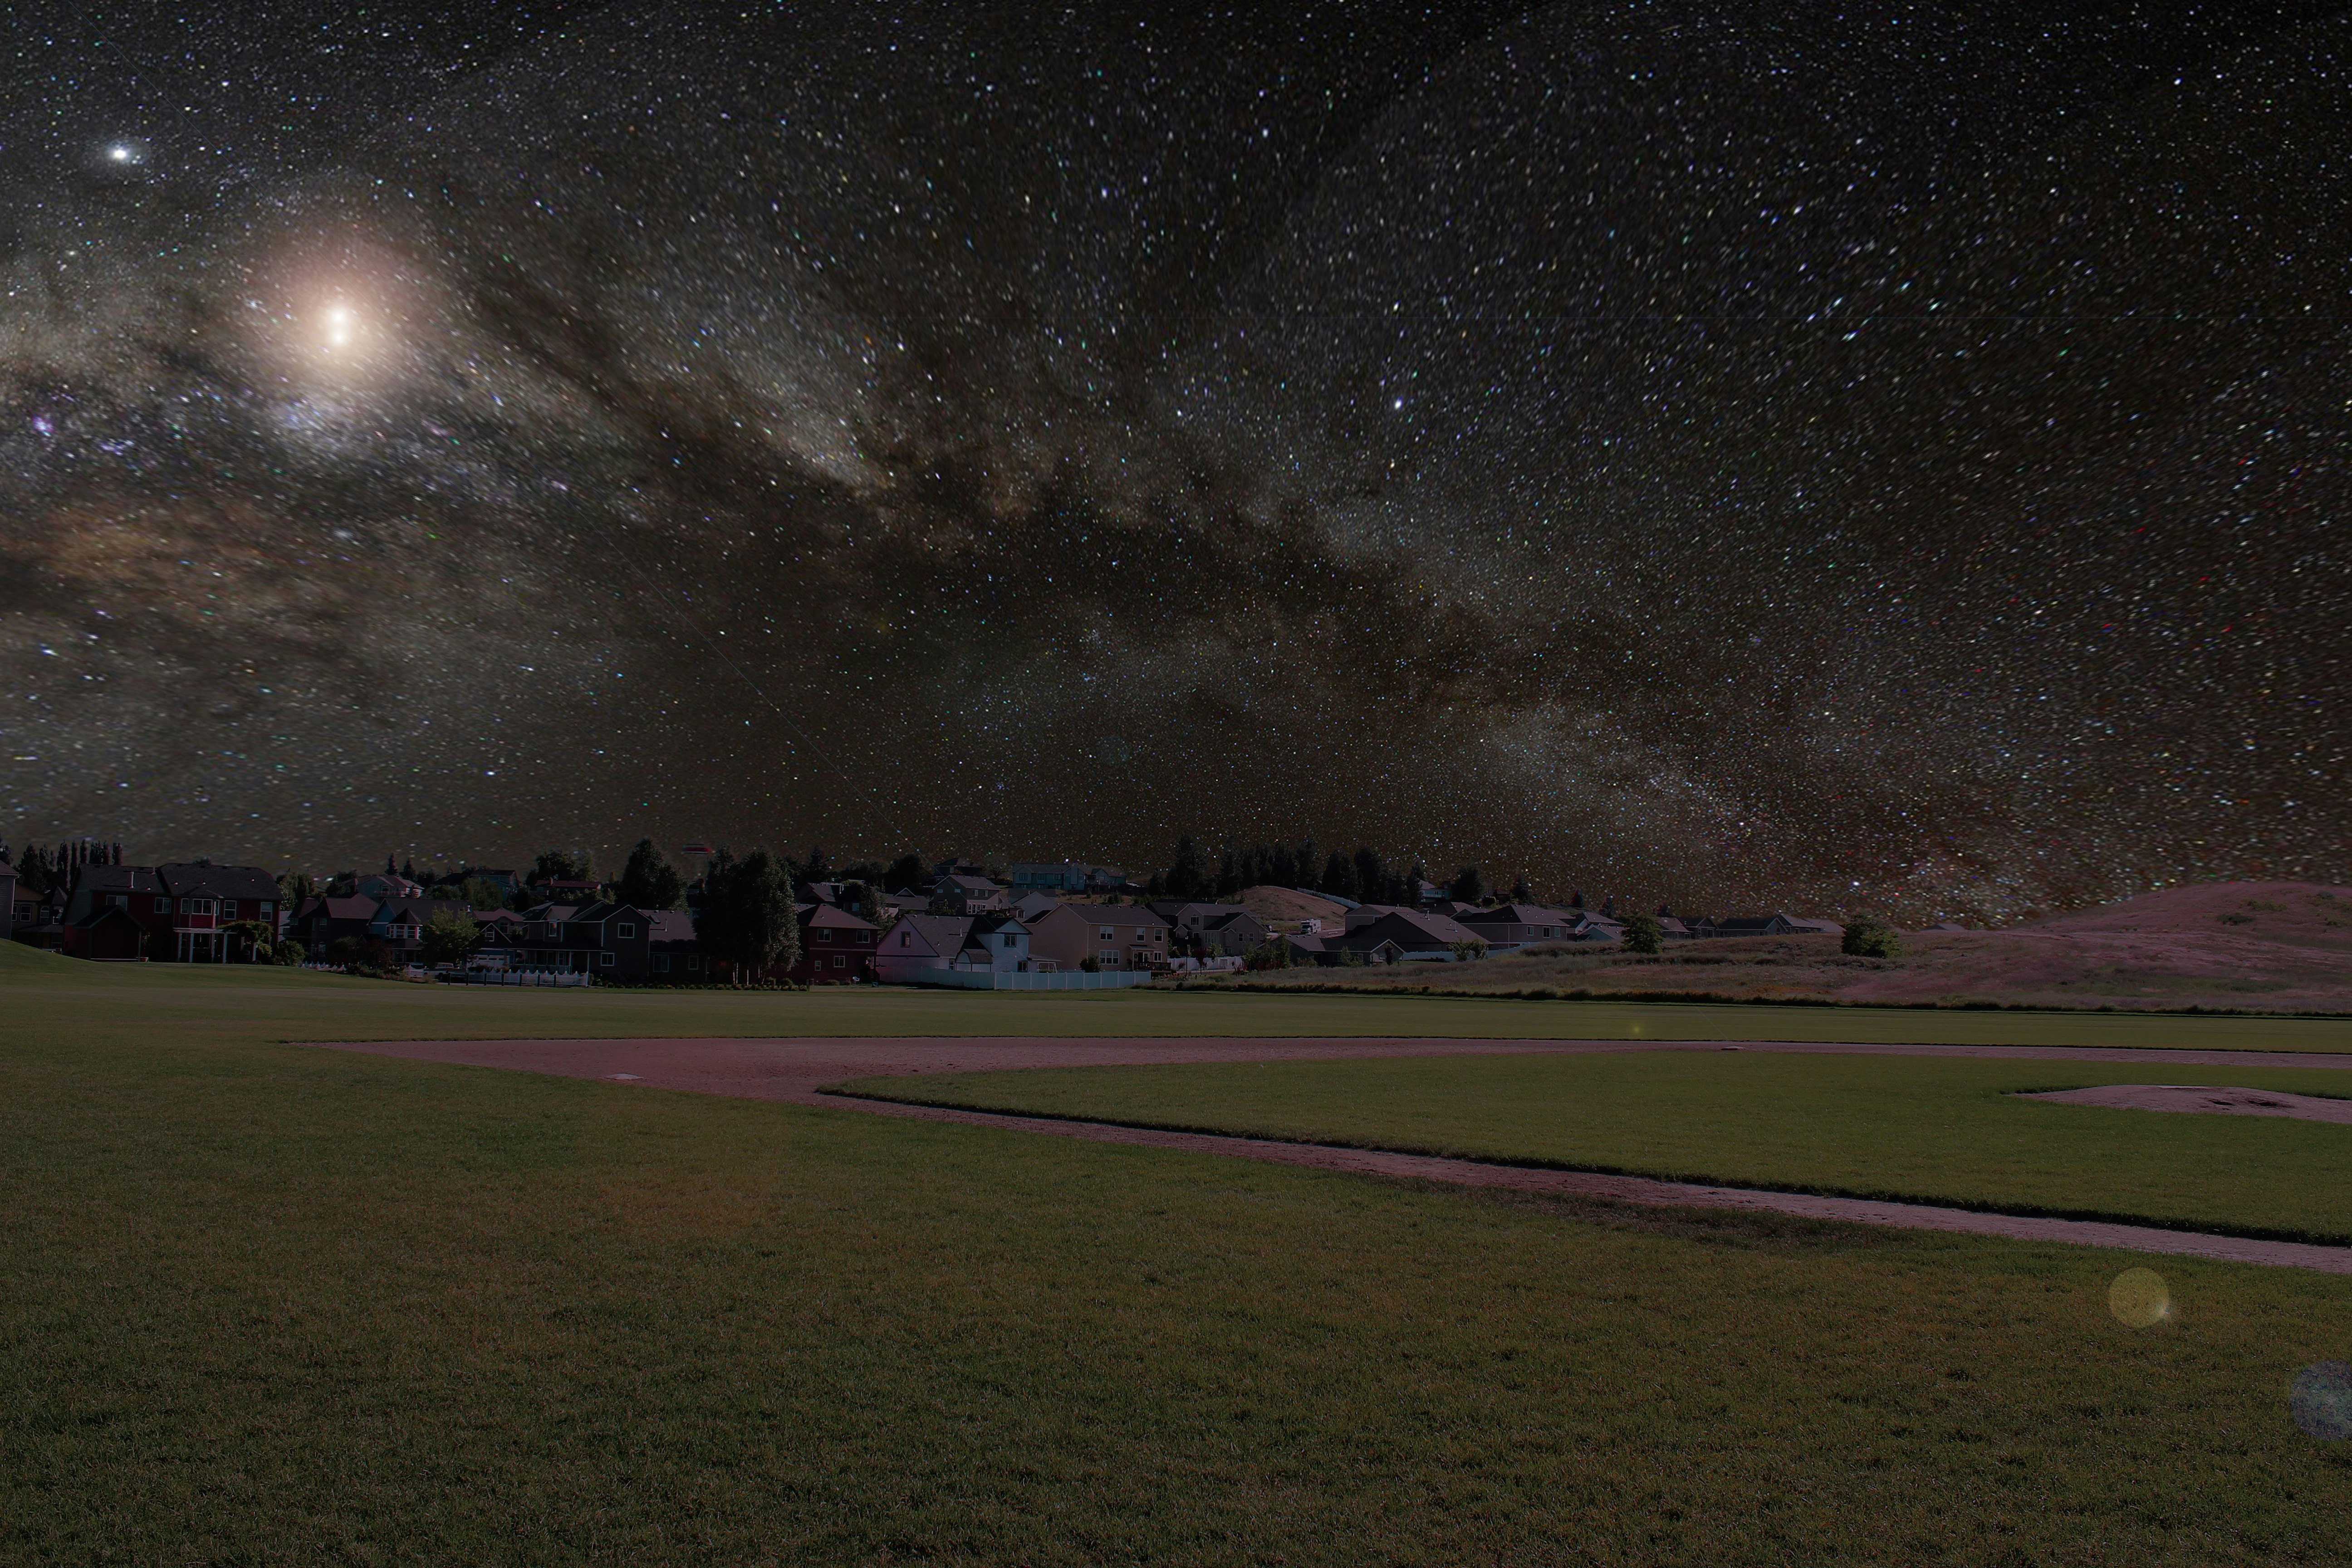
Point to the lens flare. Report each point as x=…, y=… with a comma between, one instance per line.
x=2138, y=1299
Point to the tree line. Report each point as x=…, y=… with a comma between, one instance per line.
x=1366, y=875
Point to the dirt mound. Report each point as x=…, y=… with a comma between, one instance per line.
x=1271, y=903
x=2306, y=913
x=2206, y=1100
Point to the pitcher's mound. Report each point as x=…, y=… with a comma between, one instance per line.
x=2207, y=1098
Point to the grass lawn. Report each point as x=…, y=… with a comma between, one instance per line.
x=195, y=1004
x=259, y=1303
x=1939, y=1129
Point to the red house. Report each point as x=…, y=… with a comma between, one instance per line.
x=836, y=947
x=167, y=914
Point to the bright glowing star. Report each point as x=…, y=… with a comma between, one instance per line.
x=339, y=322
x=2138, y=1299
x=120, y=154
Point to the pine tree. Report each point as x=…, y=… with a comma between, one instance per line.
x=1339, y=876
x=1303, y=867
x=906, y=874
x=1188, y=878
x=1520, y=892
x=649, y=882
x=389, y=870
x=1372, y=877
x=1229, y=876
x=1469, y=885
x=747, y=917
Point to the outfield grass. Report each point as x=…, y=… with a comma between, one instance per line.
x=1927, y=1129
x=195, y=1004
x=260, y=1303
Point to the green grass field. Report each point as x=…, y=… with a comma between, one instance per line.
x=1928, y=1129
x=198, y=1004
x=263, y=1303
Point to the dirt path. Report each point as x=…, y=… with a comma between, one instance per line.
x=794, y=1070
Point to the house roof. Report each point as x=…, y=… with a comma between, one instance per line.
x=338, y=907
x=669, y=925
x=969, y=885
x=1412, y=931
x=497, y=917
x=933, y=934
x=203, y=881
x=118, y=878
x=812, y=915
x=1519, y=915
x=1227, y=921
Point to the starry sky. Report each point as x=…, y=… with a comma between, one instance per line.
x=1733, y=455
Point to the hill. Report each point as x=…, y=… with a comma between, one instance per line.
x=2283, y=946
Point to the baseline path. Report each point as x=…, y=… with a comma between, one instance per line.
x=796, y=1069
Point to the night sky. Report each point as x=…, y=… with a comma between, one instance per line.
x=1732, y=454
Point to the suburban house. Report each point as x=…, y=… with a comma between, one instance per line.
x=1067, y=876
x=321, y=920
x=1028, y=907
x=918, y=944
x=837, y=947
x=399, y=923
x=388, y=885
x=1400, y=936
x=969, y=895
x=1228, y=929
x=1115, y=936
x=178, y=913
x=673, y=956
x=1774, y=924
x=1507, y=927
x=998, y=944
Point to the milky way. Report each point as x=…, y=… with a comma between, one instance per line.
x=1715, y=453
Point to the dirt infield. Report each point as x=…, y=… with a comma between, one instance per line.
x=795, y=1070
x=2212, y=1101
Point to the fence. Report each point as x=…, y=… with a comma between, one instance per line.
x=515, y=977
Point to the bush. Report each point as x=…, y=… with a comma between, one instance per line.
x=290, y=952
x=1870, y=937
x=1644, y=934
x=1091, y=964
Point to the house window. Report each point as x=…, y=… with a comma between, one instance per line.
x=162, y=906
x=1108, y=933
x=197, y=906
x=1109, y=955
x=606, y=959
x=694, y=961
x=265, y=910
x=1008, y=941
x=839, y=962
x=906, y=939
x=661, y=963
x=626, y=931
x=1159, y=933
x=824, y=936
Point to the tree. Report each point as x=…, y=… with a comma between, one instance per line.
x=1339, y=876
x=297, y=888
x=1410, y=894
x=816, y=869
x=408, y=869
x=391, y=868
x=1644, y=934
x=291, y=953
x=1867, y=936
x=747, y=917
x=906, y=874
x=448, y=937
x=1187, y=876
x=1464, y=951
x=253, y=937
x=1372, y=877
x=1469, y=885
x=649, y=882
x=865, y=900
x=1303, y=865
x=563, y=866
x=480, y=893
x=1272, y=953
x=1229, y=876
x=1576, y=900
x=1520, y=892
